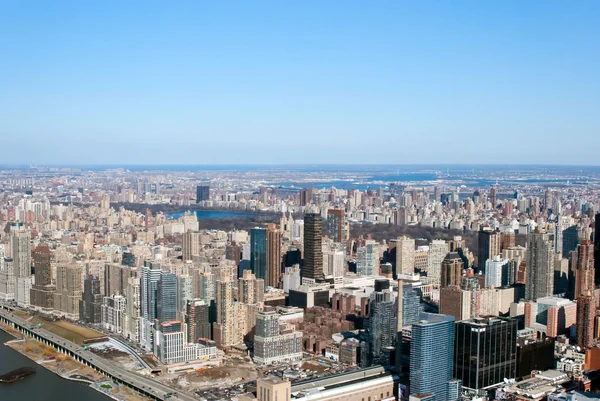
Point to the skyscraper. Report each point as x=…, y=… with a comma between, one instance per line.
x=91, y=303
x=583, y=264
x=250, y=289
x=497, y=272
x=405, y=255
x=42, y=292
x=432, y=356
x=313, y=248
x=452, y=270
x=586, y=310
x=488, y=246
x=68, y=289
x=597, y=250
x=202, y=193
x=166, y=297
x=275, y=341
x=151, y=274
x=305, y=196
x=21, y=253
x=197, y=320
x=493, y=197
x=335, y=224
x=367, y=260
x=225, y=326
x=540, y=265
x=382, y=323
x=258, y=252
x=273, y=256
x=485, y=352
x=191, y=245
x=438, y=249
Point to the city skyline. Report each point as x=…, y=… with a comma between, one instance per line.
x=299, y=83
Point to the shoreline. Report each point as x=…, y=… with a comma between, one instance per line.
x=95, y=385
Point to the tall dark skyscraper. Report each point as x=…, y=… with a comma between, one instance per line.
x=488, y=247
x=313, y=247
x=202, y=193
x=597, y=250
x=258, y=252
x=197, y=320
x=273, y=256
x=583, y=264
x=166, y=297
x=90, y=306
x=485, y=352
x=494, y=197
x=42, y=292
x=586, y=310
x=305, y=196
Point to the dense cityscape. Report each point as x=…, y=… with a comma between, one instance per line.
x=284, y=283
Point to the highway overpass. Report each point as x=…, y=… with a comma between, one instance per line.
x=143, y=385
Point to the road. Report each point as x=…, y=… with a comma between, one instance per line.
x=139, y=383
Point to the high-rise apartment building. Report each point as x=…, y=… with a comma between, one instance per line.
x=405, y=255
x=202, y=193
x=133, y=310
x=305, y=196
x=258, y=252
x=597, y=250
x=90, y=306
x=382, y=323
x=313, y=248
x=191, y=245
x=432, y=356
x=452, y=270
x=275, y=341
x=540, y=265
x=42, y=292
x=335, y=225
x=367, y=260
x=497, y=272
x=250, y=289
x=438, y=249
x=225, y=328
x=489, y=243
x=485, y=352
x=586, y=311
x=166, y=297
x=273, y=276
x=197, y=320
x=494, y=197
x=21, y=253
x=68, y=289
x=113, y=313
x=151, y=275
x=583, y=264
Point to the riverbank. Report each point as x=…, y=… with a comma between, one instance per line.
x=67, y=368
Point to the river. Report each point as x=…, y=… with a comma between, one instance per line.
x=43, y=385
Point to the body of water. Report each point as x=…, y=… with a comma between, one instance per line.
x=43, y=385
x=204, y=214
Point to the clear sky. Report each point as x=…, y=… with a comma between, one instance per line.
x=199, y=82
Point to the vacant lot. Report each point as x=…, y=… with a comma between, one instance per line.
x=66, y=330
x=216, y=377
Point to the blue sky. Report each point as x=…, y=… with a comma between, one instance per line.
x=299, y=82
